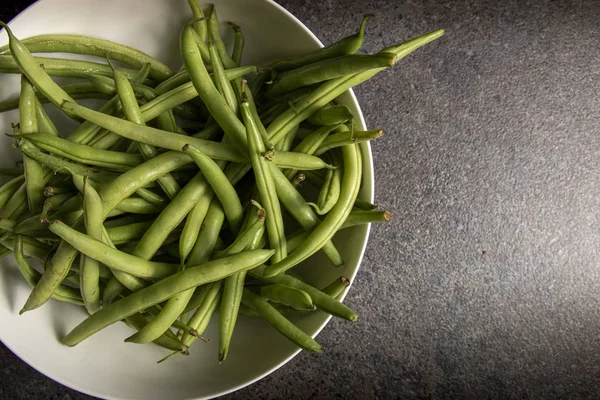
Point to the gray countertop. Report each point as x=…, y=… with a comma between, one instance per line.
x=486, y=283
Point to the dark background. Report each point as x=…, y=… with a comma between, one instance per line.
x=485, y=285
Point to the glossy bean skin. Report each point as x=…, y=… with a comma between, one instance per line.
x=344, y=138
x=337, y=287
x=210, y=272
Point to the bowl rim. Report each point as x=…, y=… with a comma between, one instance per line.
x=365, y=148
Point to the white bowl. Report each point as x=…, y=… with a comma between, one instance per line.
x=105, y=366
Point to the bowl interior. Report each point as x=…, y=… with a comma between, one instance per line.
x=103, y=365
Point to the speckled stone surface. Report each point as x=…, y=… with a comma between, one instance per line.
x=485, y=285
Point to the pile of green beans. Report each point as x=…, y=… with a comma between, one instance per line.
x=139, y=218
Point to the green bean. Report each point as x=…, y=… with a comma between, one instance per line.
x=220, y=79
x=296, y=205
x=214, y=29
x=279, y=322
x=315, y=178
x=337, y=287
x=189, y=278
x=366, y=217
x=330, y=90
x=345, y=138
x=320, y=299
x=62, y=67
x=219, y=182
x=347, y=45
x=62, y=166
x=31, y=247
x=45, y=124
x=56, y=270
x=137, y=205
x=85, y=154
x=207, y=308
x=112, y=290
x=265, y=184
x=199, y=23
x=365, y=205
x=326, y=229
x=185, y=92
x=137, y=321
x=79, y=44
x=288, y=142
x=87, y=131
x=8, y=190
x=79, y=90
x=329, y=194
x=216, y=104
x=297, y=180
x=310, y=144
x=89, y=270
x=109, y=256
x=7, y=224
x=152, y=197
x=298, y=161
x=30, y=68
x=289, y=296
x=134, y=114
x=328, y=69
x=180, y=78
x=16, y=203
x=127, y=233
x=193, y=224
x=244, y=237
x=153, y=136
x=231, y=299
x=62, y=293
x=34, y=171
x=331, y=115
x=238, y=44
x=207, y=238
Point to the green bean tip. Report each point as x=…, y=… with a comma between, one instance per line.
x=345, y=281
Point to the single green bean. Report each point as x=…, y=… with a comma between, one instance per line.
x=137, y=205
x=113, y=290
x=45, y=124
x=62, y=293
x=337, y=287
x=199, y=19
x=366, y=217
x=330, y=192
x=279, y=322
x=220, y=79
x=85, y=154
x=289, y=296
x=109, y=256
x=189, y=278
x=331, y=115
x=328, y=69
x=89, y=270
x=238, y=44
x=347, y=45
x=34, y=171
x=365, y=205
x=193, y=224
x=220, y=184
x=344, y=138
x=153, y=136
x=80, y=44
x=32, y=70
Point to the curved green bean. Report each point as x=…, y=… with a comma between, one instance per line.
x=289, y=296
x=345, y=138
x=164, y=289
x=331, y=115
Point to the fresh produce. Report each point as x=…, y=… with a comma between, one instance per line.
x=171, y=203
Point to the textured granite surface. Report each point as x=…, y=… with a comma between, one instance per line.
x=485, y=285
